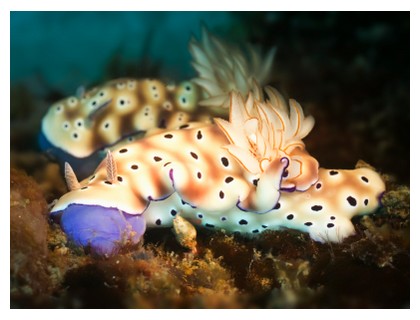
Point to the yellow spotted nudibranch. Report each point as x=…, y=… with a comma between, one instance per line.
x=76, y=129
x=248, y=174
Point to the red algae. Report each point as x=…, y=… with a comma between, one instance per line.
x=28, y=237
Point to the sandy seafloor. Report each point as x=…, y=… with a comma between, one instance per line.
x=349, y=70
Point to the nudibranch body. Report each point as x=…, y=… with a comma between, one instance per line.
x=241, y=178
x=119, y=109
x=77, y=128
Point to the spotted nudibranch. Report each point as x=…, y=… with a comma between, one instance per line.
x=77, y=128
x=249, y=174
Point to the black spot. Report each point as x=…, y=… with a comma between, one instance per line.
x=183, y=100
x=200, y=216
x=277, y=206
x=290, y=217
x=75, y=135
x=173, y=212
x=58, y=108
x=221, y=194
x=184, y=126
x=316, y=208
x=330, y=225
x=308, y=224
x=122, y=102
x=194, y=155
x=229, y=179
x=225, y=161
x=79, y=123
x=318, y=185
x=366, y=202
x=285, y=173
x=255, y=231
x=199, y=175
x=255, y=182
x=242, y=222
x=123, y=150
x=93, y=103
x=199, y=135
x=101, y=93
x=223, y=218
x=168, y=136
x=84, y=188
x=134, y=167
x=158, y=222
x=154, y=88
x=167, y=163
x=146, y=114
x=264, y=226
x=352, y=201
x=92, y=177
x=106, y=125
x=120, y=179
x=66, y=125
x=183, y=202
x=332, y=218
x=107, y=182
x=209, y=225
x=157, y=159
x=365, y=179
x=333, y=172
x=188, y=88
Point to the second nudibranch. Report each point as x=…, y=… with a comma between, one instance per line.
x=249, y=174
x=76, y=129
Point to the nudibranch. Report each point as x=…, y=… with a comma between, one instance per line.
x=76, y=129
x=249, y=174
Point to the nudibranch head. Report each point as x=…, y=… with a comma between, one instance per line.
x=222, y=68
x=100, y=230
x=261, y=132
x=100, y=214
x=64, y=126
